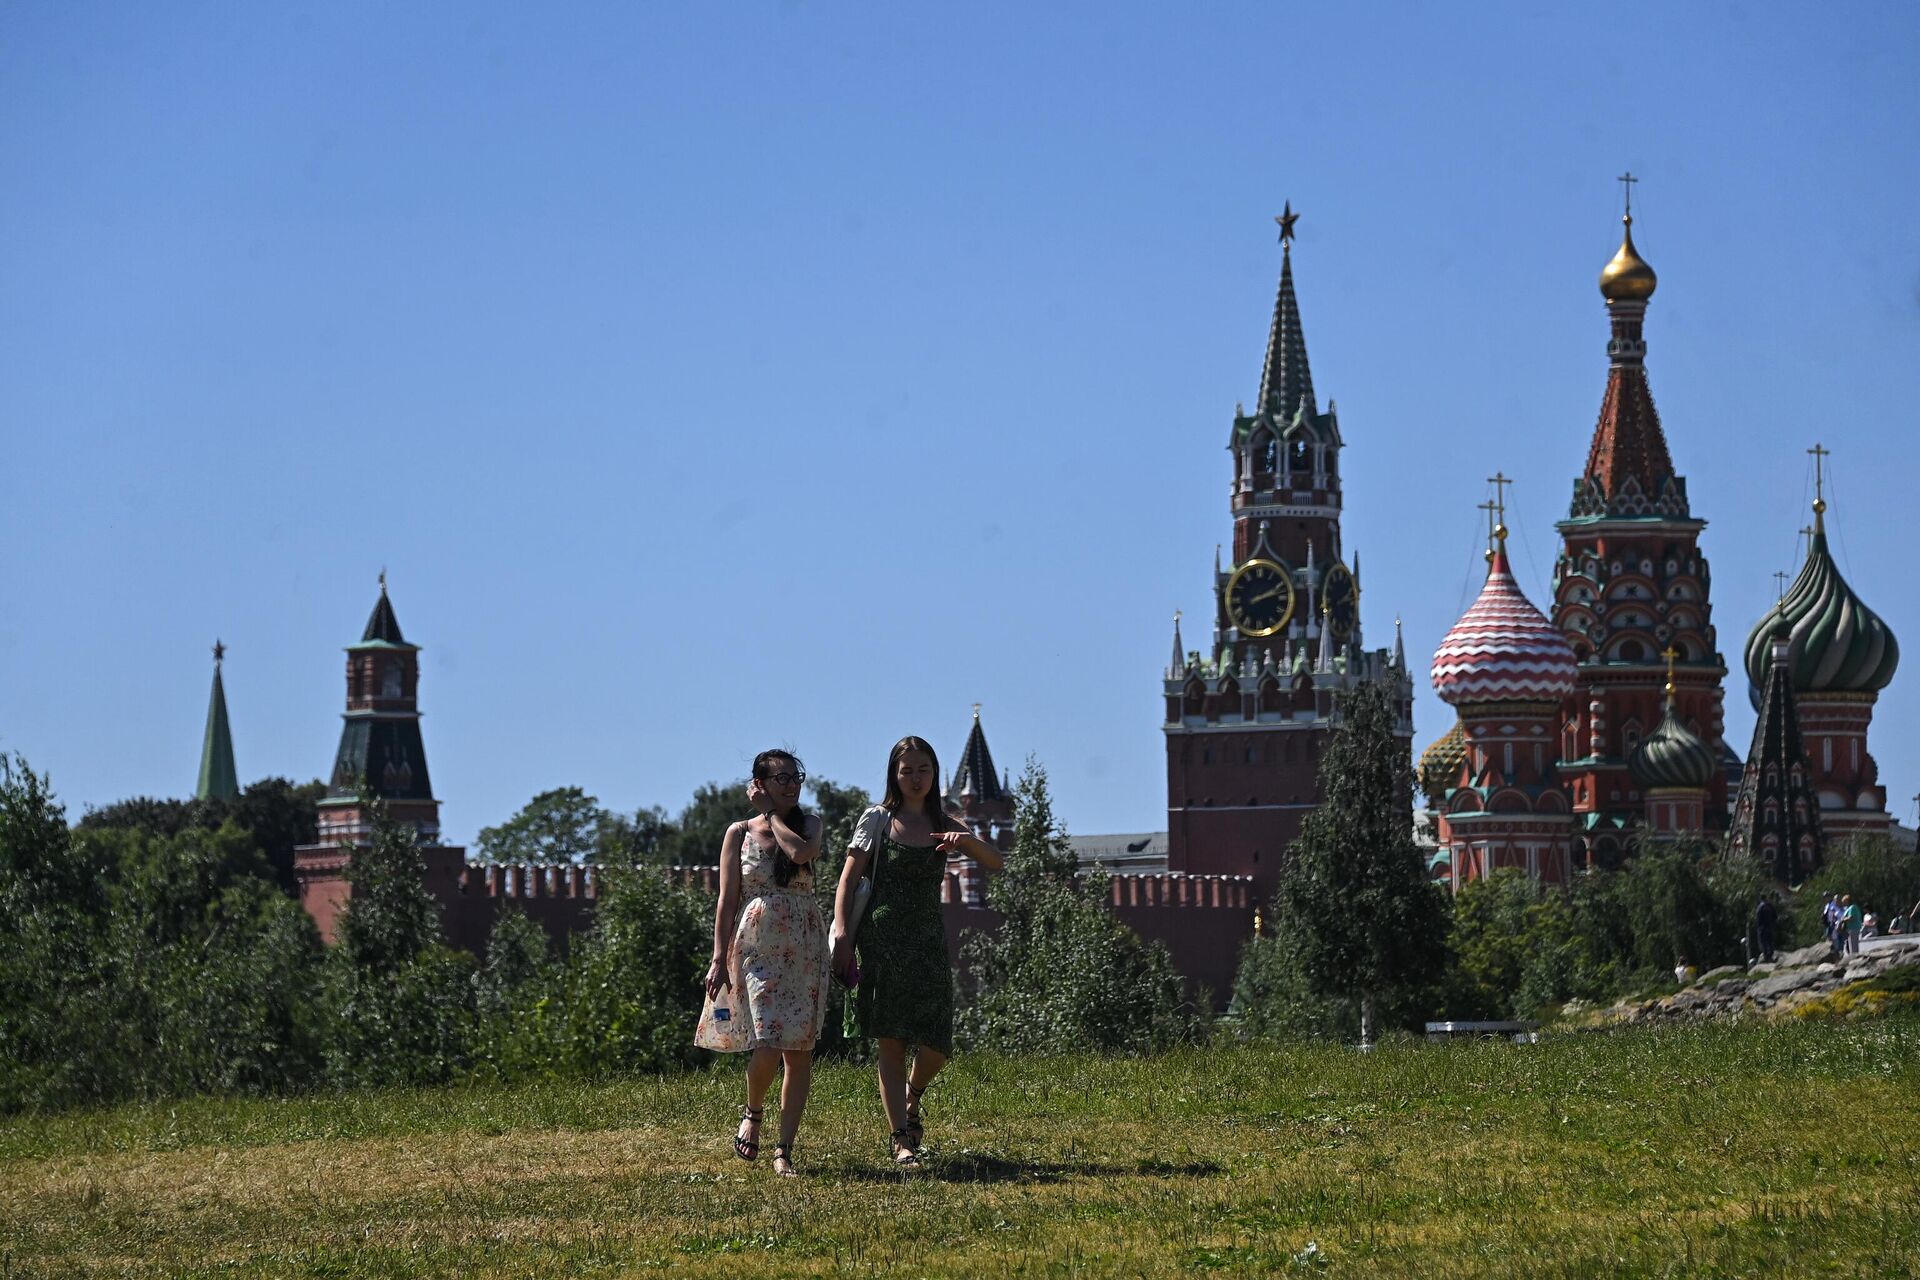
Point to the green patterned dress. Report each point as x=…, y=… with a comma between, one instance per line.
x=906, y=976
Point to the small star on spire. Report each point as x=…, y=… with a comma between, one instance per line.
x=219, y=652
x=1286, y=219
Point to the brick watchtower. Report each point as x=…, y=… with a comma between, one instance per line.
x=1247, y=719
x=381, y=756
x=1630, y=583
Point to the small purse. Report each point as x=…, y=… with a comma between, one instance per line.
x=862, y=897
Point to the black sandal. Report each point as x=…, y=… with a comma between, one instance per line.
x=741, y=1147
x=905, y=1154
x=915, y=1129
x=784, y=1151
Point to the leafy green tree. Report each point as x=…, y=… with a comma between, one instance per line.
x=1273, y=999
x=279, y=814
x=562, y=825
x=1491, y=939
x=645, y=839
x=633, y=984
x=1882, y=878
x=518, y=1001
x=1366, y=921
x=702, y=825
x=400, y=1000
x=1061, y=973
x=52, y=920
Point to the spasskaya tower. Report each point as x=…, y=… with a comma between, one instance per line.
x=1248, y=715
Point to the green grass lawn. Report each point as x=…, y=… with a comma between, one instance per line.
x=1726, y=1150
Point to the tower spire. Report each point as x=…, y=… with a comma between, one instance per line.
x=218, y=780
x=1629, y=470
x=1285, y=380
x=1179, y=655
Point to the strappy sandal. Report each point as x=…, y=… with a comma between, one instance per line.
x=915, y=1128
x=783, y=1151
x=741, y=1147
x=905, y=1155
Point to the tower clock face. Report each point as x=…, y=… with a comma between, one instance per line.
x=1260, y=597
x=1342, y=596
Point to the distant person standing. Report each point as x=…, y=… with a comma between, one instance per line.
x=1764, y=917
x=1850, y=916
x=1830, y=917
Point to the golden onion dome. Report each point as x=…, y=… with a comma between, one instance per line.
x=1628, y=277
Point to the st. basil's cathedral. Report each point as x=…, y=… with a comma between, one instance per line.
x=1577, y=732
x=1576, y=736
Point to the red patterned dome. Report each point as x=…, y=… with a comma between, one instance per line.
x=1503, y=649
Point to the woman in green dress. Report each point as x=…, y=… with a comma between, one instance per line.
x=903, y=992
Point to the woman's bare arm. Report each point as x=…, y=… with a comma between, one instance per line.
x=801, y=846
x=971, y=845
x=726, y=911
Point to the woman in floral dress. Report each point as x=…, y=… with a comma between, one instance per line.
x=903, y=993
x=767, y=986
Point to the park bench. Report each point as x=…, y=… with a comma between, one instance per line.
x=1518, y=1032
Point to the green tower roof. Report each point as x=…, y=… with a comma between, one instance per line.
x=218, y=781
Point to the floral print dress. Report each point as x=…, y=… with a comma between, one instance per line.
x=778, y=964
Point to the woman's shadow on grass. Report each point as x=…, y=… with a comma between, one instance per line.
x=985, y=1167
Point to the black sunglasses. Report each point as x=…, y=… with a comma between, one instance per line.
x=787, y=779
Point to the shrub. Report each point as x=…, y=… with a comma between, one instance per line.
x=1062, y=973
x=399, y=1002
x=633, y=985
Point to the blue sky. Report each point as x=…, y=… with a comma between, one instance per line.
x=707, y=377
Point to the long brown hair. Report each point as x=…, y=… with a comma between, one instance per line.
x=935, y=808
x=784, y=868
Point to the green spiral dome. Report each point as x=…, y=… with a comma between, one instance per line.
x=1672, y=756
x=1837, y=644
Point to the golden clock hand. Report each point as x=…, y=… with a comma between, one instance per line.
x=1265, y=595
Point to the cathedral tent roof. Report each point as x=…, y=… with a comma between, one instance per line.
x=975, y=772
x=383, y=628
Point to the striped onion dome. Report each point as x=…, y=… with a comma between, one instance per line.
x=1836, y=643
x=1673, y=756
x=1503, y=649
x=1440, y=763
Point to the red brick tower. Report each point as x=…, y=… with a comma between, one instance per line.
x=381, y=756
x=1840, y=655
x=1246, y=720
x=1631, y=582
x=1506, y=670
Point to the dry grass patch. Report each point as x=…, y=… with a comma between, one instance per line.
x=1762, y=1149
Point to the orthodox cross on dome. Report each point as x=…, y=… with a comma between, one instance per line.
x=1780, y=583
x=1820, y=454
x=1489, y=507
x=1626, y=181
x=1806, y=540
x=1500, y=482
x=1286, y=218
x=1670, y=655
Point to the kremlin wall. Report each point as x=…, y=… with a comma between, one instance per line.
x=1579, y=730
